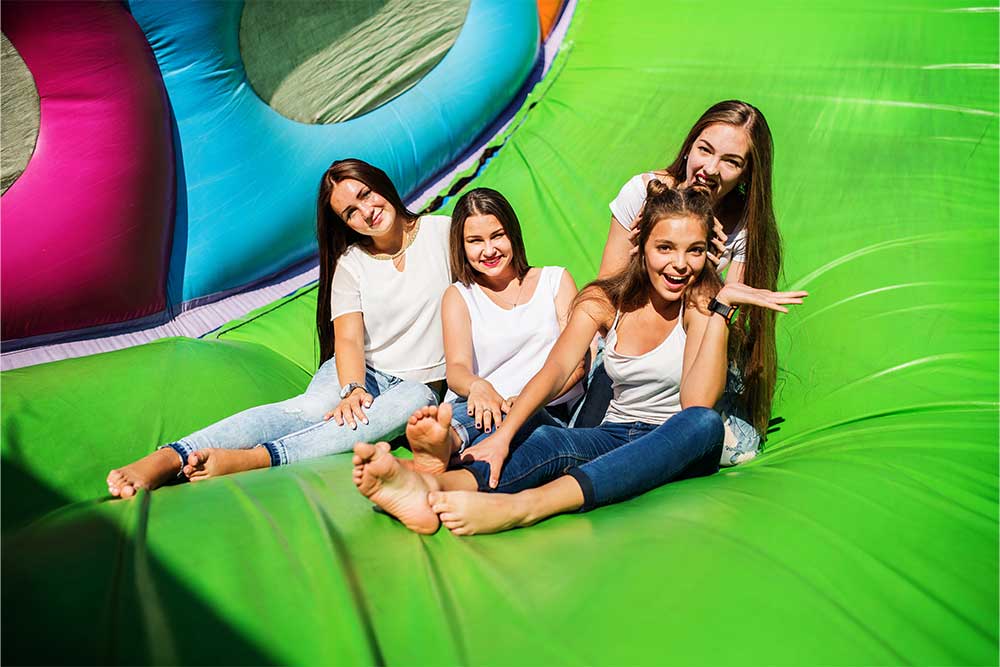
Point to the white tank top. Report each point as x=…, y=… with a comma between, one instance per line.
x=510, y=346
x=646, y=388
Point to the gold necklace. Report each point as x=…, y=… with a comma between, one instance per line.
x=408, y=238
x=516, y=298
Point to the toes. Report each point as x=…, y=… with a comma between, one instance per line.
x=444, y=414
x=383, y=447
x=127, y=491
x=364, y=451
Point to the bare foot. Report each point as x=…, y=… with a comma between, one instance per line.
x=213, y=462
x=149, y=472
x=475, y=513
x=398, y=490
x=431, y=438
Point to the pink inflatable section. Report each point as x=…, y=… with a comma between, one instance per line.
x=86, y=229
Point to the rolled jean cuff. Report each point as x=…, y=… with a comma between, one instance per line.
x=183, y=450
x=586, y=485
x=273, y=453
x=463, y=434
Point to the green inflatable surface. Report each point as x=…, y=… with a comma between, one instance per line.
x=866, y=533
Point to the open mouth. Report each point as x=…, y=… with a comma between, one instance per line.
x=675, y=283
x=701, y=181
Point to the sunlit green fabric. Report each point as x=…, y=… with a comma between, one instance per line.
x=865, y=534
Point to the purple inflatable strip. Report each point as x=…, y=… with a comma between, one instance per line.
x=85, y=230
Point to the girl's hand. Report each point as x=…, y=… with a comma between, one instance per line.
x=719, y=238
x=485, y=404
x=350, y=409
x=508, y=405
x=493, y=450
x=738, y=294
x=633, y=234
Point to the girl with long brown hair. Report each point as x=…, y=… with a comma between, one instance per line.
x=727, y=154
x=501, y=318
x=382, y=272
x=667, y=324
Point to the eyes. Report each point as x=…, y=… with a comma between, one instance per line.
x=697, y=250
x=704, y=150
x=499, y=234
x=363, y=195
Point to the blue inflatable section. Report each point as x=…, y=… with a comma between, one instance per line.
x=247, y=176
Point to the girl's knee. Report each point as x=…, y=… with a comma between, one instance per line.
x=707, y=421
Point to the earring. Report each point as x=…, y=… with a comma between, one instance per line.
x=742, y=187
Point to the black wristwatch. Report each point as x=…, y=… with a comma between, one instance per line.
x=727, y=312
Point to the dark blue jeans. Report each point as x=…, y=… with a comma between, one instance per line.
x=613, y=462
x=465, y=425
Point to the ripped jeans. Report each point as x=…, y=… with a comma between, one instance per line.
x=294, y=430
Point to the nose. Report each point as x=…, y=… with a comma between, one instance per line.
x=711, y=167
x=679, y=261
x=366, y=211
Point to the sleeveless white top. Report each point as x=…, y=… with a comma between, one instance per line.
x=510, y=346
x=646, y=388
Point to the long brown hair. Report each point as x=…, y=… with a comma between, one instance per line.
x=629, y=289
x=334, y=236
x=484, y=201
x=752, y=343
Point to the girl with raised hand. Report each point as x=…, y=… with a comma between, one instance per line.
x=667, y=325
x=728, y=155
x=382, y=272
x=501, y=317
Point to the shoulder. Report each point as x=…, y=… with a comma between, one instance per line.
x=594, y=302
x=351, y=259
x=559, y=276
x=696, y=310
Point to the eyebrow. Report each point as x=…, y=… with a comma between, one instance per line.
x=736, y=155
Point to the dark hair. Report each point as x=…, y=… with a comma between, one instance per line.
x=629, y=289
x=334, y=236
x=484, y=201
x=752, y=342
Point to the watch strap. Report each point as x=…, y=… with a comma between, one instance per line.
x=349, y=387
x=726, y=311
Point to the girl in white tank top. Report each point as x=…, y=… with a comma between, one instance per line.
x=501, y=318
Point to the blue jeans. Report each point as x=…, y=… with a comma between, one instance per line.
x=742, y=441
x=613, y=461
x=294, y=429
x=465, y=425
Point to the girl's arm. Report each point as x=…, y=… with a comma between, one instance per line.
x=484, y=401
x=735, y=273
x=349, y=351
x=574, y=342
x=704, y=376
x=564, y=302
x=617, y=249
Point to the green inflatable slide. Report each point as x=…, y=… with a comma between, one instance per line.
x=866, y=533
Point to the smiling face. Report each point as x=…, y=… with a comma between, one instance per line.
x=718, y=160
x=675, y=254
x=487, y=246
x=364, y=210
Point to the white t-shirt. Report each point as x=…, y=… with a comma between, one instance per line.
x=402, y=310
x=510, y=346
x=632, y=196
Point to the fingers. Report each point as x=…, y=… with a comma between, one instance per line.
x=720, y=246
x=719, y=232
x=478, y=412
x=487, y=420
x=496, y=464
x=358, y=413
x=506, y=406
x=714, y=259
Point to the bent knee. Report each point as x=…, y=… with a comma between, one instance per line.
x=707, y=421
